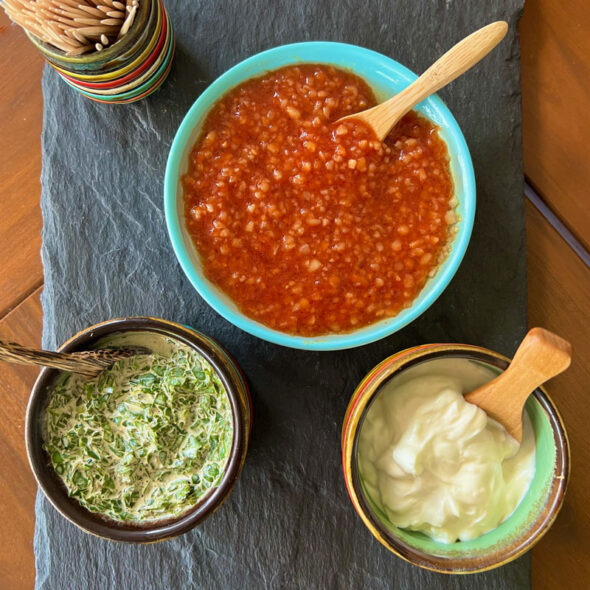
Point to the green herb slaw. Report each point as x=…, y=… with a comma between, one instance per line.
x=146, y=439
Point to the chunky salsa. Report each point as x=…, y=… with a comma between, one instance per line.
x=309, y=225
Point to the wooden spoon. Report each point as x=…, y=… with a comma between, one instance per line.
x=540, y=356
x=88, y=363
x=451, y=65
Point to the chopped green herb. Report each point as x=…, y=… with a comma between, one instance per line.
x=145, y=439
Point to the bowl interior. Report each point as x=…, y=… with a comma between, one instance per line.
x=386, y=77
x=52, y=485
x=517, y=532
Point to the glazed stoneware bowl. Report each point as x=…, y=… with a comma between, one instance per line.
x=55, y=491
x=520, y=531
x=136, y=68
x=111, y=58
x=386, y=77
x=148, y=82
x=131, y=68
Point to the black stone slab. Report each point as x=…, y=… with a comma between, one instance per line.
x=289, y=523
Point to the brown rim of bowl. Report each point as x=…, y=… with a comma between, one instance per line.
x=152, y=531
x=97, y=58
x=520, y=544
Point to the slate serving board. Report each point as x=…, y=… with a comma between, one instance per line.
x=288, y=523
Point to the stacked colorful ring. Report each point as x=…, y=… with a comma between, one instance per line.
x=129, y=70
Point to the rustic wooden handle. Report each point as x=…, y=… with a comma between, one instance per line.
x=89, y=363
x=451, y=65
x=540, y=356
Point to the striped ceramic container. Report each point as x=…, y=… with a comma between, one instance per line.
x=517, y=534
x=132, y=68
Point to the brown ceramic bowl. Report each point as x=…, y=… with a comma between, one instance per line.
x=90, y=522
x=520, y=531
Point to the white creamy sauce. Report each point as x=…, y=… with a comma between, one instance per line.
x=437, y=464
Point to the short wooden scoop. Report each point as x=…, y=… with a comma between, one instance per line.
x=88, y=363
x=540, y=356
x=451, y=65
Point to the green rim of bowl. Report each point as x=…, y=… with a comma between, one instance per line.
x=521, y=517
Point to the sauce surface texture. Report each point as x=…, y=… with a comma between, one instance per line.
x=145, y=440
x=314, y=227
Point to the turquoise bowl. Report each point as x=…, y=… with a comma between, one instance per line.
x=386, y=77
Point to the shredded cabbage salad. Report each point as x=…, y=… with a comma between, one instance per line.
x=145, y=439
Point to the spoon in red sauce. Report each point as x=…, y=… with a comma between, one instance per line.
x=451, y=65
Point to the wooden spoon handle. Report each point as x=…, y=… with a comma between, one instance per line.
x=540, y=356
x=73, y=362
x=451, y=65
x=88, y=362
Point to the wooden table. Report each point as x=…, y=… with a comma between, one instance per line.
x=556, y=124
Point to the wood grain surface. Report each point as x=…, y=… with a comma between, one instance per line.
x=556, y=70
x=559, y=299
x=555, y=54
x=21, y=114
x=17, y=485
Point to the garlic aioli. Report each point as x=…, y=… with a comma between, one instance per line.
x=437, y=464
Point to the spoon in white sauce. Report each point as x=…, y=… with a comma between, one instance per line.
x=540, y=356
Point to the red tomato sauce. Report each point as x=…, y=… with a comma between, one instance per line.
x=311, y=226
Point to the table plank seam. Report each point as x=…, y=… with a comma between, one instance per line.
x=24, y=295
x=556, y=222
